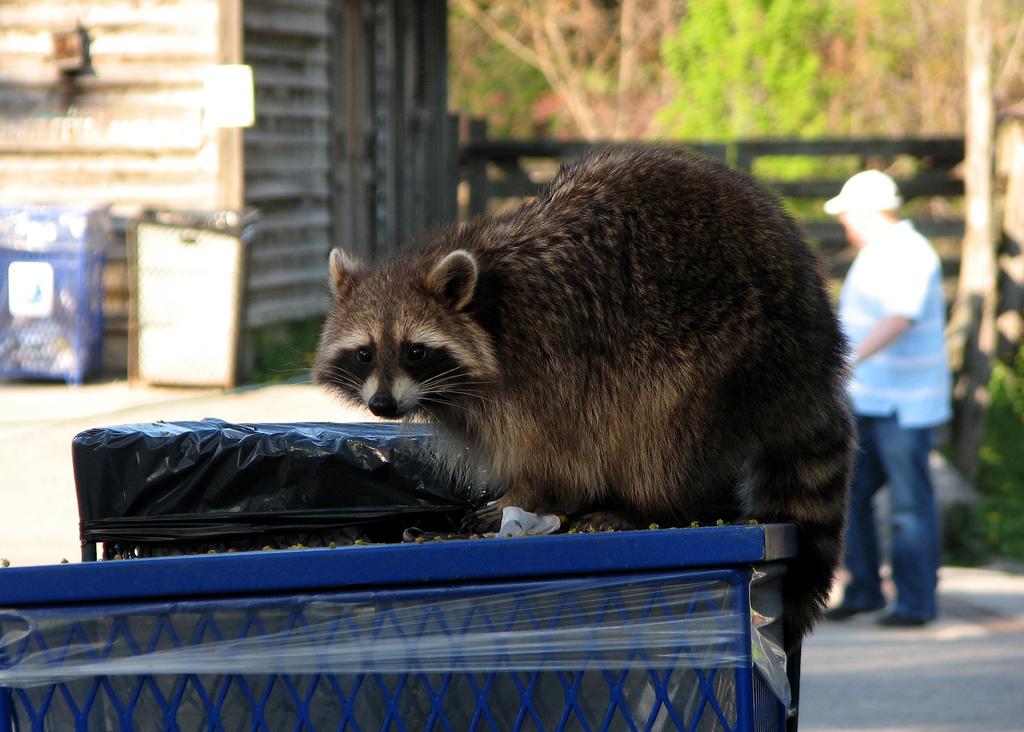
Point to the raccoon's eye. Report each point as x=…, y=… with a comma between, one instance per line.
x=417, y=353
x=363, y=355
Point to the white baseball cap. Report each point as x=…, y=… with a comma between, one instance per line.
x=870, y=189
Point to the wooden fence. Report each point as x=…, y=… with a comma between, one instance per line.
x=496, y=172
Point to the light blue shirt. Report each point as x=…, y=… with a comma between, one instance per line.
x=900, y=275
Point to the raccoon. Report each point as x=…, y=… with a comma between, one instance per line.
x=649, y=340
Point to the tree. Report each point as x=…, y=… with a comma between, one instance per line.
x=972, y=321
x=747, y=68
x=604, y=69
x=899, y=65
x=600, y=59
x=489, y=81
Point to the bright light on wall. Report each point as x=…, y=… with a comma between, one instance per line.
x=228, y=96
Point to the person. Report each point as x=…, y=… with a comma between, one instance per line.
x=892, y=310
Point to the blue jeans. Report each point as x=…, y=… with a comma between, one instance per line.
x=898, y=456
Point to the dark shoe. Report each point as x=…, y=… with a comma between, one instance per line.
x=844, y=612
x=895, y=620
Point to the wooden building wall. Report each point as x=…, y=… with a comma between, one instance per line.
x=287, y=157
x=394, y=140
x=352, y=144
x=133, y=133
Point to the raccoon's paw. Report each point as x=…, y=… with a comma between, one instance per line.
x=483, y=520
x=603, y=521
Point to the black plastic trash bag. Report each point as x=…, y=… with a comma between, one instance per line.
x=188, y=487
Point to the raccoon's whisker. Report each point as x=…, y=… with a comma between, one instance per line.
x=435, y=396
x=450, y=386
x=483, y=400
x=452, y=380
x=430, y=414
x=454, y=388
x=426, y=409
x=457, y=373
x=443, y=373
x=439, y=402
x=339, y=373
x=452, y=403
x=455, y=376
x=475, y=386
x=289, y=370
x=440, y=388
x=463, y=392
x=344, y=379
x=449, y=375
x=330, y=369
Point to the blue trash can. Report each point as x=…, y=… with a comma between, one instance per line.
x=51, y=291
x=662, y=629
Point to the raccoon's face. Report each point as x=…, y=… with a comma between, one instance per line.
x=399, y=340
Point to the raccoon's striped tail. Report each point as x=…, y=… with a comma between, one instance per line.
x=806, y=483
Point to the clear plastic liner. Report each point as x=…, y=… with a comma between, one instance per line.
x=767, y=650
x=610, y=623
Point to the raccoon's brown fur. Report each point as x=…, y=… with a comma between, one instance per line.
x=649, y=340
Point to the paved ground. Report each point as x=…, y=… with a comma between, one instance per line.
x=965, y=672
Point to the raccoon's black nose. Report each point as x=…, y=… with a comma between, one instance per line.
x=383, y=405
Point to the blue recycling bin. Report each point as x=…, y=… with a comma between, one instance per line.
x=661, y=629
x=51, y=291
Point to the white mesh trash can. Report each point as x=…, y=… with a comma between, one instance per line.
x=188, y=285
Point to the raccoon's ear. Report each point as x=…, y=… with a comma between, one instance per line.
x=453, y=278
x=343, y=269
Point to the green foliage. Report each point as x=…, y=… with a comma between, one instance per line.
x=284, y=352
x=748, y=68
x=1001, y=478
x=737, y=67
x=995, y=527
x=963, y=537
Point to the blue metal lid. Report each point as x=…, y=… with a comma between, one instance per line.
x=390, y=565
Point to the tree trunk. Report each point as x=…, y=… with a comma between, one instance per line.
x=1010, y=167
x=972, y=324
